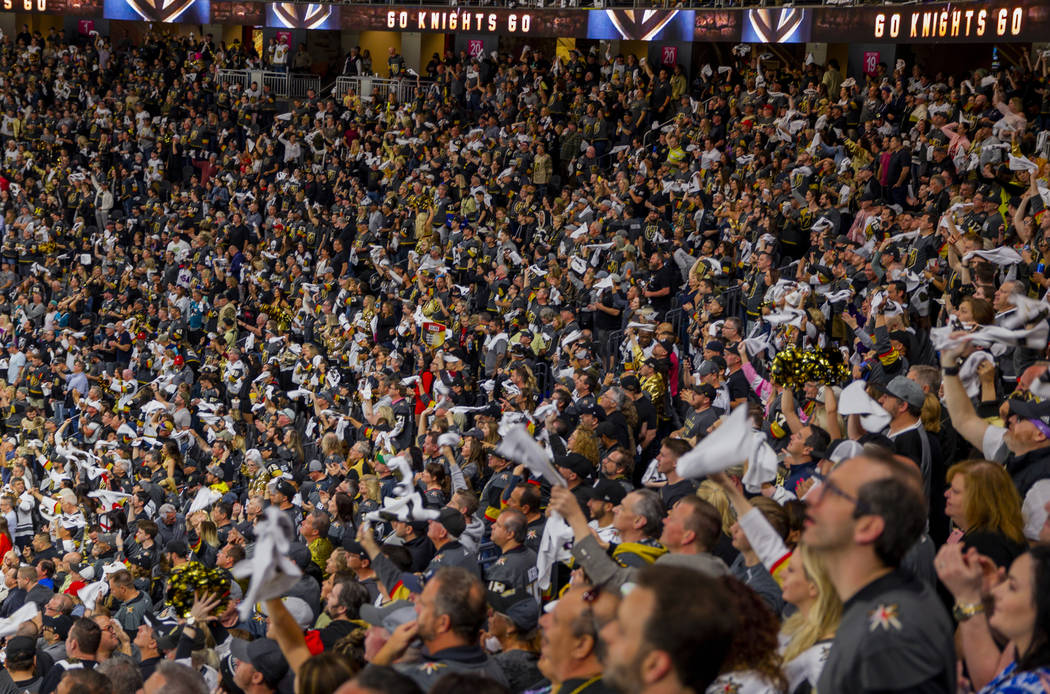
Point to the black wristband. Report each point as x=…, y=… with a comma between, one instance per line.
x=951, y=370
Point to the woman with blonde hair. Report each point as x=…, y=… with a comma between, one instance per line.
x=712, y=493
x=369, y=497
x=985, y=508
x=806, y=636
x=207, y=546
x=583, y=441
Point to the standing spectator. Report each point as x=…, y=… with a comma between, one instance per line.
x=894, y=634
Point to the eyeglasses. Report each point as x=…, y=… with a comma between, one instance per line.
x=826, y=485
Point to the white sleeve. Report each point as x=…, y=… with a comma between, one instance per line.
x=993, y=446
x=1034, y=509
x=766, y=542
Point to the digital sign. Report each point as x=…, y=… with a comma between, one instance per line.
x=550, y=23
x=290, y=15
x=641, y=25
x=250, y=13
x=165, y=11
x=79, y=8
x=946, y=23
x=973, y=22
x=776, y=25
x=719, y=25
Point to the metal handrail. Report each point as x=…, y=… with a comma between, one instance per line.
x=239, y=77
x=378, y=88
x=299, y=84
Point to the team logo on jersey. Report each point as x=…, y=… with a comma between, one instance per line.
x=431, y=668
x=884, y=617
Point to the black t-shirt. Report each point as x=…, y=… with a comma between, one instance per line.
x=996, y=546
x=667, y=276
x=898, y=161
x=670, y=493
x=646, y=414
x=615, y=300
x=738, y=386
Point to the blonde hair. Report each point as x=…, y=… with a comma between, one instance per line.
x=586, y=444
x=370, y=488
x=823, y=618
x=385, y=413
x=931, y=413
x=209, y=534
x=713, y=494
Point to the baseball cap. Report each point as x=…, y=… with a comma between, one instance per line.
x=907, y=390
x=475, y=433
x=592, y=410
x=608, y=430
x=315, y=466
x=707, y=368
x=631, y=383
x=354, y=547
x=264, y=655
x=841, y=449
x=452, y=520
x=715, y=346
x=390, y=616
x=576, y=463
x=521, y=609
x=165, y=633
x=60, y=624
x=1038, y=413
x=285, y=487
x=607, y=490
x=707, y=390
x=20, y=647
x=299, y=610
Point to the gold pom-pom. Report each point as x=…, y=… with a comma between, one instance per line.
x=193, y=578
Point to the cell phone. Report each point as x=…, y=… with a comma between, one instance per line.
x=1040, y=267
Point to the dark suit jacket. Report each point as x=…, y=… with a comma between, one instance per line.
x=15, y=599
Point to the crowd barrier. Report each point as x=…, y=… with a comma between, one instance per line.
x=377, y=88
x=283, y=85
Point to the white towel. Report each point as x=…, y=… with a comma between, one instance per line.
x=1004, y=255
x=271, y=572
x=721, y=449
x=761, y=463
x=517, y=445
x=855, y=400
x=204, y=499
x=23, y=614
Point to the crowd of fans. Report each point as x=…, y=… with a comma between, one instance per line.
x=277, y=374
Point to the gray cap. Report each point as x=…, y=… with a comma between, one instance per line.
x=315, y=466
x=390, y=616
x=907, y=390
